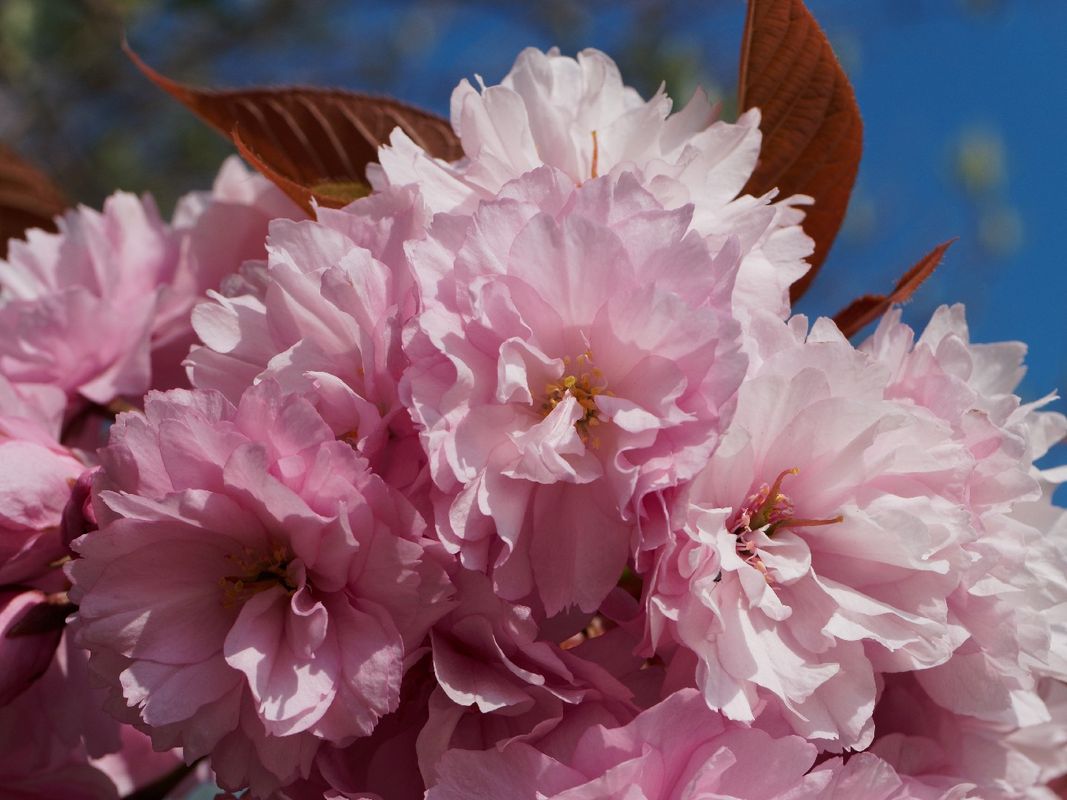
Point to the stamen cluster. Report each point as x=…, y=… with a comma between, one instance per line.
x=584, y=387
x=256, y=573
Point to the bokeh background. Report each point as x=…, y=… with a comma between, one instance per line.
x=963, y=102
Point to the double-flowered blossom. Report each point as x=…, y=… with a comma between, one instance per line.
x=56, y=741
x=324, y=315
x=922, y=739
x=80, y=305
x=1013, y=587
x=92, y=315
x=818, y=546
x=85, y=309
x=513, y=479
x=857, y=519
x=677, y=750
x=575, y=353
x=994, y=690
x=253, y=590
x=36, y=473
x=576, y=115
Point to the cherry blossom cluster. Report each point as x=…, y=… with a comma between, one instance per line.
x=516, y=479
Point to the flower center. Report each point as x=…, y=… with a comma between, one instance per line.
x=767, y=509
x=256, y=573
x=584, y=383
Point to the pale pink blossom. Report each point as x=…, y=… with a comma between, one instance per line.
x=577, y=116
x=253, y=590
x=1013, y=591
x=817, y=548
x=575, y=352
x=88, y=309
x=79, y=306
x=1048, y=564
x=499, y=678
x=866, y=776
x=36, y=475
x=919, y=737
x=56, y=741
x=219, y=230
x=677, y=750
x=1045, y=744
x=228, y=225
x=324, y=316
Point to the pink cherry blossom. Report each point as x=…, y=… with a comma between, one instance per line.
x=219, y=231
x=919, y=737
x=228, y=225
x=576, y=115
x=324, y=316
x=677, y=750
x=575, y=353
x=513, y=479
x=56, y=742
x=866, y=776
x=499, y=679
x=253, y=590
x=36, y=474
x=817, y=548
x=1015, y=584
x=86, y=309
x=80, y=304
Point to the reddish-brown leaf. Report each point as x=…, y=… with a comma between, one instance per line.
x=869, y=307
x=812, y=131
x=28, y=199
x=309, y=141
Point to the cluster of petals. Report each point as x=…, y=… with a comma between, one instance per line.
x=675, y=750
x=91, y=316
x=576, y=352
x=254, y=589
x=56, y=741
x=36, y=472
x=576, y=115
x=323, y=314
x=513, y=479
x=88, y=309
x=819, y=545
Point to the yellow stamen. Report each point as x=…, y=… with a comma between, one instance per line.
x=257, y=573
x=584, y=387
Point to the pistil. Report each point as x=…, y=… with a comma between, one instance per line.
x=766, y=510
